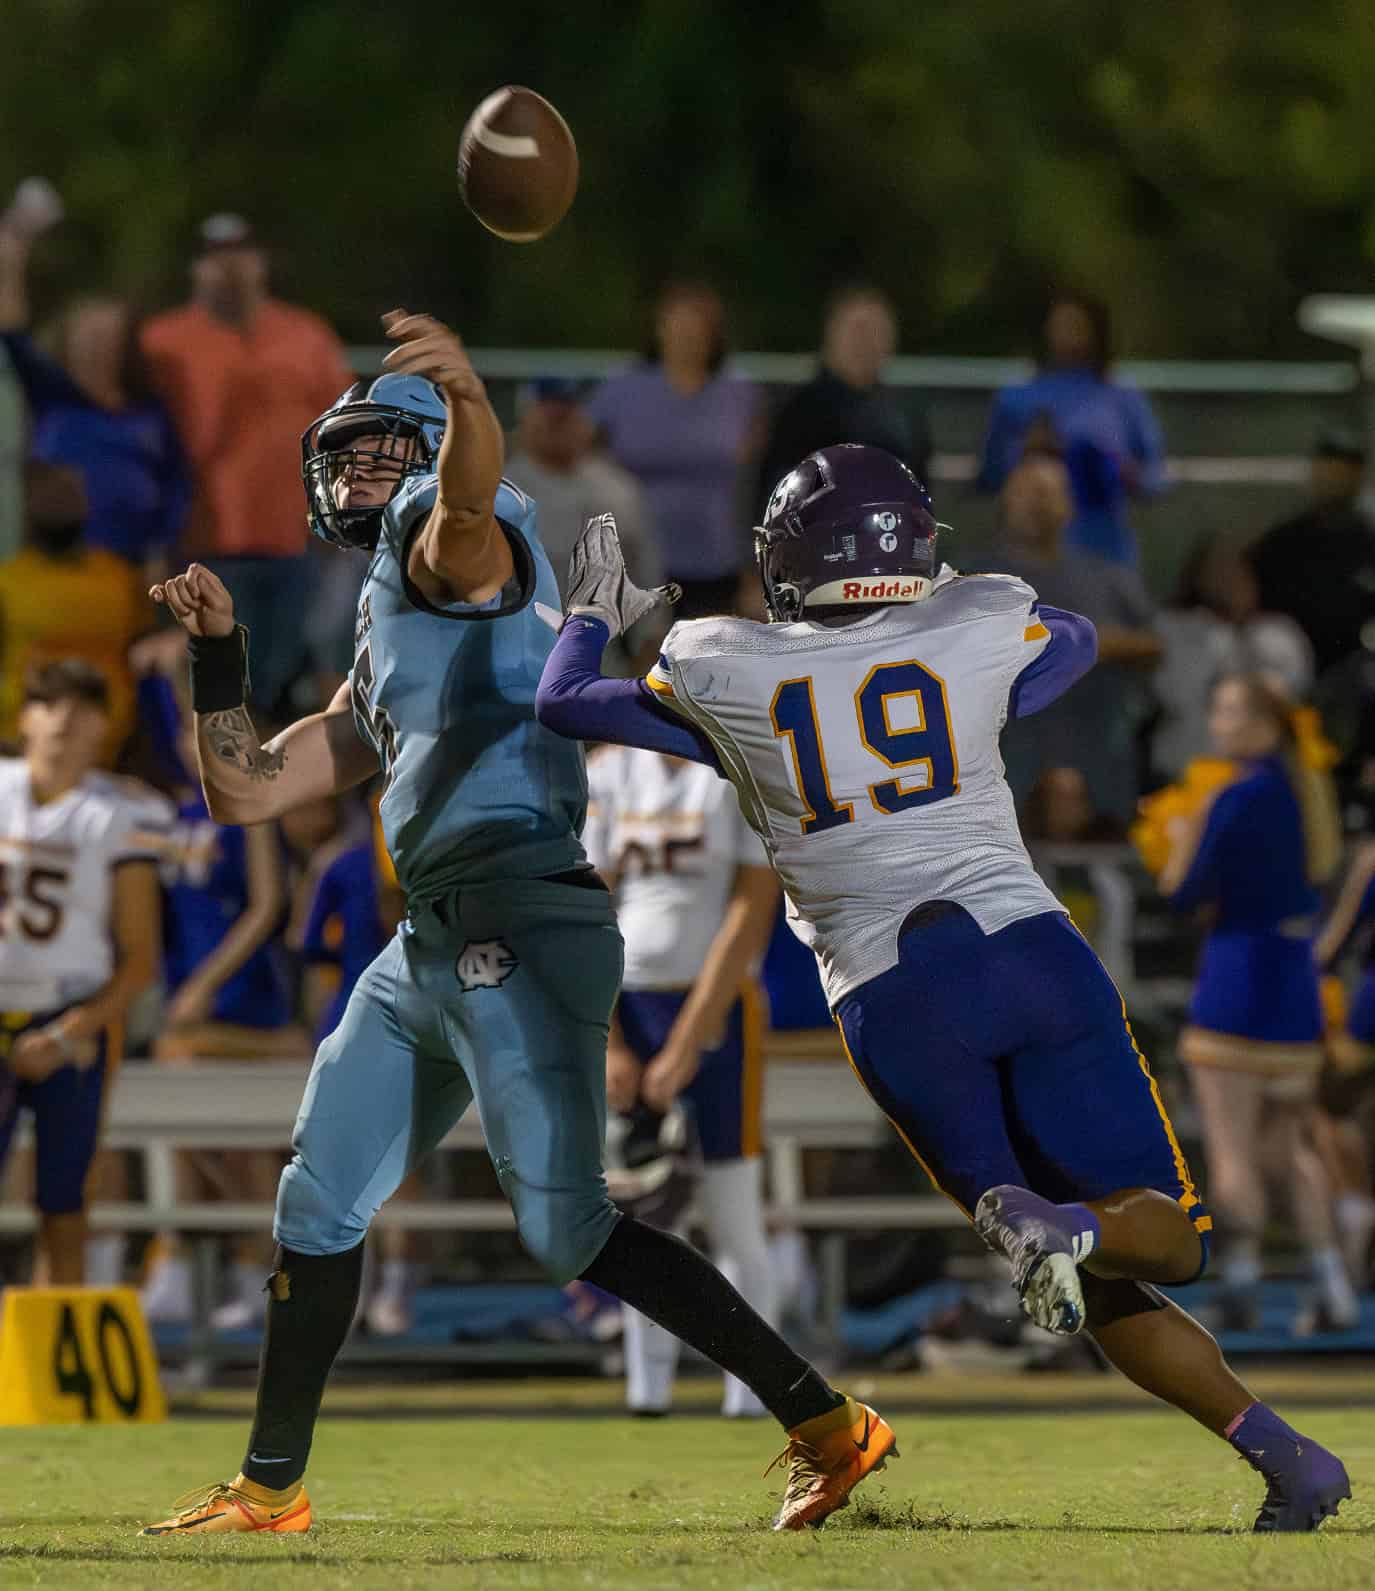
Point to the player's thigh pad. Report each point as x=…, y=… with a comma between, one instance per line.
x=379, y=1096
x=526, y=980
x=1087, y=1115
x=914, y=1037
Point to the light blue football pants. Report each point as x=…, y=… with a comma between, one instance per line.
x=499, y=994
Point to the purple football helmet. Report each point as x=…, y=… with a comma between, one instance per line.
x=850, y=526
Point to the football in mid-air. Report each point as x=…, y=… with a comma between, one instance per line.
x=517, y=165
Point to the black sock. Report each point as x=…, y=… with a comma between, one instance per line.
x=311, y=1303
x=682, y=1291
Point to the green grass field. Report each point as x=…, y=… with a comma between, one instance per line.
x=1120, y=1498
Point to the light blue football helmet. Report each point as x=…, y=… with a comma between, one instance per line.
x=378, y=431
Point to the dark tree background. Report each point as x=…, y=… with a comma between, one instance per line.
x=1205, y=162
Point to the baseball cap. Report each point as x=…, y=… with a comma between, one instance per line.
x=225, y=230
x=553, y=389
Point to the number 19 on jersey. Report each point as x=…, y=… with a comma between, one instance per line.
x=921, y=754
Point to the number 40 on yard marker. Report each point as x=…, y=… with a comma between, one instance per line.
x=69, y=1355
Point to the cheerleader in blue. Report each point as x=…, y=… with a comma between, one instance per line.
x=1256, y=855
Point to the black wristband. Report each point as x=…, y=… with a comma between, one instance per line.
x=219, y=671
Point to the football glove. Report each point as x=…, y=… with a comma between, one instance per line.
x=600, y=588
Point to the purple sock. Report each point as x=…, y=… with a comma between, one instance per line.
x=1263, y=1439
x=1088, y=1235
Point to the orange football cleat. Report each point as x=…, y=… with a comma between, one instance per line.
x=221, y=1507
x=827, y=1457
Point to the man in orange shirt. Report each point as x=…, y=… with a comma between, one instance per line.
x=245, y=374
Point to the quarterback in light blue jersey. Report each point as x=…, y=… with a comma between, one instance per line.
x=498, y=985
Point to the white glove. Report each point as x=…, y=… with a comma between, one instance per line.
x=598, y=585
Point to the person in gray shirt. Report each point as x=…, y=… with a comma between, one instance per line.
x=1093, y=727
x=552, y=459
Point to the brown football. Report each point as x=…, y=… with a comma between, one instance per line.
x=517, y=165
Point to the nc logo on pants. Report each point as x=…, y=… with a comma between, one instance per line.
x=485, y=964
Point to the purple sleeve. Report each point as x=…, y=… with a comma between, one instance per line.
x=574, y=700
x=1068, y=656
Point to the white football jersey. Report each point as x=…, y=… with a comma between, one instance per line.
x=866, y=757
x=57, y=861
x=672, y=835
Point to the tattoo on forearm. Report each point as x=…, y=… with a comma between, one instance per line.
x=232, y=738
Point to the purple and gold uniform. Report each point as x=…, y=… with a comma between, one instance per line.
x=671, y=835
x=866, y=758
x=57, y=861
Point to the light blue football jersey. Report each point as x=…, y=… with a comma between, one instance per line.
x=477, y=790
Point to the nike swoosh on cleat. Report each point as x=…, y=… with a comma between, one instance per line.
x=257, y=1458
x=864, y=1445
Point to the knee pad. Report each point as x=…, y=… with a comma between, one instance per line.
x=1106, y=1302
x=562, y=1229
x=310, y=1220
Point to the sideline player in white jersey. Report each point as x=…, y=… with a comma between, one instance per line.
x=80, y=937
x=860, y=729
x=696, y=898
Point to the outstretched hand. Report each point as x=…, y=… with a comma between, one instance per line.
x=426, y=347
x=598, y=585
x=198, y=600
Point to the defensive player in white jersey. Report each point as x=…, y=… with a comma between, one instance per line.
x=860, y=729
x=80, y=932
x=696, y=899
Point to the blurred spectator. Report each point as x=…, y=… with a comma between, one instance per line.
x=1257, y=853
x=1111, y=441
x=1348, y=1091
x=245, y=374
x=92, y=408
x=337, y=924
x=845, y=401
x=1319, y=567
x=552, y=460
x=13, y=436
x=229, y=993
x=35, y=207
x=224, y=966
x=60, y=598
x=1093, y=728
x=1059, y=811
x=686, y=429
x=1215, y=626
